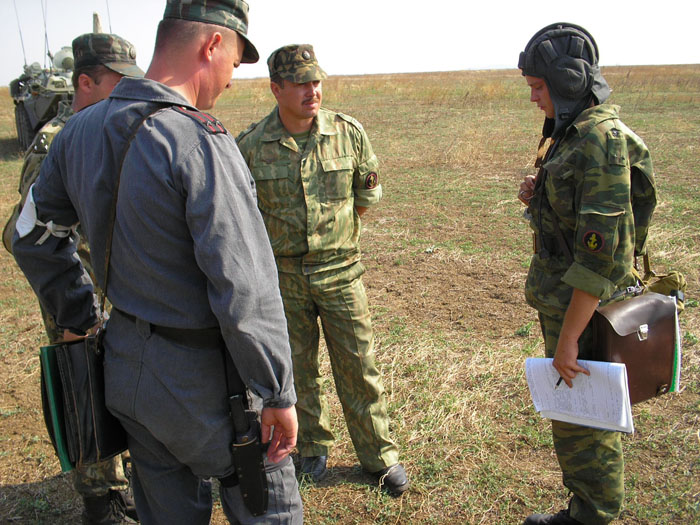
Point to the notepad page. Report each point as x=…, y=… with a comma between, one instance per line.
x=600, y=400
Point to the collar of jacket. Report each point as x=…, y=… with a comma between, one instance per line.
x=144, y=89
x=275, y=131
x=591, y=117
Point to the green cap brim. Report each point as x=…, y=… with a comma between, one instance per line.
x=128, y=70
x=250, y=54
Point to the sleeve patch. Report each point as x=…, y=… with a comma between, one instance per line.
x=211, y=124
x=371, y=181
x=593, y=241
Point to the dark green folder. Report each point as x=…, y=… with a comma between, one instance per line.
x=53, y=404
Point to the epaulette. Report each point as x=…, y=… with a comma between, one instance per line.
x=209, y=122
x=247, y=131
x=351, y=120
x=40, y=144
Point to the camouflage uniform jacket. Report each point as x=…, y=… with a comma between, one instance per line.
x=189, y=248
x=308, y=198
x=33, y=157
x=587, y=181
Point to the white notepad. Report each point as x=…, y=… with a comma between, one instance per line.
x=600, y=400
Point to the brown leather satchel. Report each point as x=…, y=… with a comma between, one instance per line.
x=641, y=332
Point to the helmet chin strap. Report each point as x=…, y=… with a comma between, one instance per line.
x=547, y=127
x=564, y=120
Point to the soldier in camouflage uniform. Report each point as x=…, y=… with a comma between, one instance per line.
x=315, y=175
x=101, y=60
x=583, y=189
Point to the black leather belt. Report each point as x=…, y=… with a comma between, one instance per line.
x=195, y=337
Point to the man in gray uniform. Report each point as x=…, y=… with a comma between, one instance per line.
x=192, y=278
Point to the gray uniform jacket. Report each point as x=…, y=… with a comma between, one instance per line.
x=190, y=248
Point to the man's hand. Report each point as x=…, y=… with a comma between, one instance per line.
x=284, y=436
x=577, y=317
x=527, y=188
x=69, y=336
x=565, y=359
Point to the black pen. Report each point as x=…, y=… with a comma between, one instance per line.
x=558, y=382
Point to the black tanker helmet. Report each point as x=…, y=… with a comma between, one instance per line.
x=566, y=57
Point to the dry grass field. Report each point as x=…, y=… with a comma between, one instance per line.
x=446, y=253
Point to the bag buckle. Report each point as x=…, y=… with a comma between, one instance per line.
x=634, y=290
x=643, y=332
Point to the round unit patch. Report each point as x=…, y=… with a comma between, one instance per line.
x=371, y=181
x=593, y=241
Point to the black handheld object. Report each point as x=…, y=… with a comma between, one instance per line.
x=248, y=456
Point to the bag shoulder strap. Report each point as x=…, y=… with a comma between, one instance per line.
x=563, y=245
x=113, y=210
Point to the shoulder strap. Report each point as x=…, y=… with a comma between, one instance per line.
x=563, y=245
x=209, y=122
x=113, y=210
x=544, y=152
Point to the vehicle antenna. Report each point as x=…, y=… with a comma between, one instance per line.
x=21, y=38
x=44, y=9
x=109, y=17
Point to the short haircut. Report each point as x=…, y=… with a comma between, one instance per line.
x=95, y=72
x=177, y=32
x=173, y=30
x=277, y=79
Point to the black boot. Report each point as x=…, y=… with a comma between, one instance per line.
x=560, y=518
x=393, y=479
x=108, y=509
x=313, y=467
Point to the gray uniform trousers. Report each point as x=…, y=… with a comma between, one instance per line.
x=172, y=401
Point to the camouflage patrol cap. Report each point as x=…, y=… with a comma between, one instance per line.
x=111, y=51
x=232, y=14
x=296, y=63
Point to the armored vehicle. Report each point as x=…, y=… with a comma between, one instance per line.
x=37, y=93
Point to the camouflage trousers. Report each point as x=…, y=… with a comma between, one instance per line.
x=338, y=298
x=591, y=460
x=99, y=478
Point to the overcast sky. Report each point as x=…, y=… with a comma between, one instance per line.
x=376, y=36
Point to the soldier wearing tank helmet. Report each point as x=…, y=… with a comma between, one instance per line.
x=584, y=241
